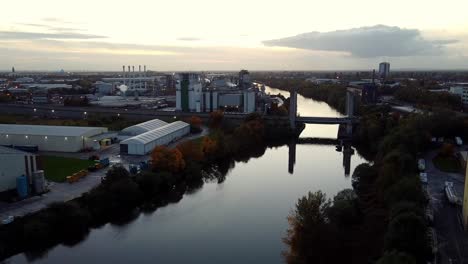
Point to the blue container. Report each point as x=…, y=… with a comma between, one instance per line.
x=22, y=186
x=144, y=165
x=104, y=162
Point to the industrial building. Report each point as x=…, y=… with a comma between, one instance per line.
x=51, y=138
x=142, y=128
x=146, y=142
x=13, y=164
x=460, y=89
x=195, y=94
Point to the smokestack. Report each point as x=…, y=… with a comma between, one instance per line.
x=123, y=74
x=139, y=76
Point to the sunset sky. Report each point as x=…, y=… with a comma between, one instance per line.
x=229, y=35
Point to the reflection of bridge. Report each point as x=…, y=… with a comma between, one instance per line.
x=340, y=146
x=324, y=120
x=348, y=120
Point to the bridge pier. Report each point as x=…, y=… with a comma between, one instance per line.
x=293, y=108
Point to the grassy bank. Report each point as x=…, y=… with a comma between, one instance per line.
x=58, y=168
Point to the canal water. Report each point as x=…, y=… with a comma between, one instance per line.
x=241, y=220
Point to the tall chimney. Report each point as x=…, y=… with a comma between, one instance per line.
x=123, y=74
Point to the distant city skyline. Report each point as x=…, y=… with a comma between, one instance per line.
x=257, y=35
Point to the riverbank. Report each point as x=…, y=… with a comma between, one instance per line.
x=122, y=194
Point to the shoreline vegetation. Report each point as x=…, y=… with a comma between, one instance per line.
x=121, y=196
x=382, y=219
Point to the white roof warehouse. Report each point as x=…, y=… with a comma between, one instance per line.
x=49, y=138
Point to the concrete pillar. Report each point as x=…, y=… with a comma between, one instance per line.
x=465, y=201
x=349, y=103
x=293, y=108
x=349, y=129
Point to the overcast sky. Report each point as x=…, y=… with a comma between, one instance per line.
x=230, y=35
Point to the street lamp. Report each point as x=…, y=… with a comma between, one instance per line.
x=35, y=110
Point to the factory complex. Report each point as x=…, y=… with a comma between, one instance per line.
x=194, y=93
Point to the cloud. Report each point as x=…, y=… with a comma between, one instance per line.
x=49, y=27
x=189, y=39
x=366, y=42
x=56, y=20
x=22, y=35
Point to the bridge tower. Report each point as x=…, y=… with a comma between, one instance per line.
x=349, y=110
x=293, y=108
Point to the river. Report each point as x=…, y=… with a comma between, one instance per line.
x=241, y=220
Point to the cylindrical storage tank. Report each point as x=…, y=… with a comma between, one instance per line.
x=22, y=186
x=39, y=181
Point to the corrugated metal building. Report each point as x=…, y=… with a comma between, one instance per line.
x=143, y=127
x=146, y=142
x=50, y=138
x=14, y=163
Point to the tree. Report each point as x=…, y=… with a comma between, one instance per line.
x=396, y=257
x=208, y=146
x=195, y=124
x=165, y=159
x=216, y=119
x=309, y=237
x=116, y=173
x=408, y=233
x=447, y=150
x=191, y=150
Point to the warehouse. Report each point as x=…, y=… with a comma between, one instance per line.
x=143, y=127
x=146, y=142
x=15, y=163
x=50, y=138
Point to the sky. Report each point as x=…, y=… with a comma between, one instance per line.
x=89, y=35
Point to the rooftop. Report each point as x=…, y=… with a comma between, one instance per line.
x=13, y=129
x=9, y=151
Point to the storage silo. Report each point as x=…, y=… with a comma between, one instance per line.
x=22, y=186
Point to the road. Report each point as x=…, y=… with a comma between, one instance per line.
x=452, y=239
x=59, y=192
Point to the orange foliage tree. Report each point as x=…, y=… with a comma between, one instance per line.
x=195, y=124
x=209, y=146
x=216, y=118
x=165, y=159
x=191, y=150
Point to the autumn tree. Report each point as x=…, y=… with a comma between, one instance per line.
x=165, y=159
x=216, y=119
x=191, y=150
x=447, y=150
x=208, y=146
x=195, y=124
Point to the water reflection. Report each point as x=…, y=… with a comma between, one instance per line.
x=238, y=215
x=345, y=149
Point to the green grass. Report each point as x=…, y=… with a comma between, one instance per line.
x=447, y=164
x=58, y=168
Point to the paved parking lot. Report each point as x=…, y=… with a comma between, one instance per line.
x=59, y=192
x=451, y=237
